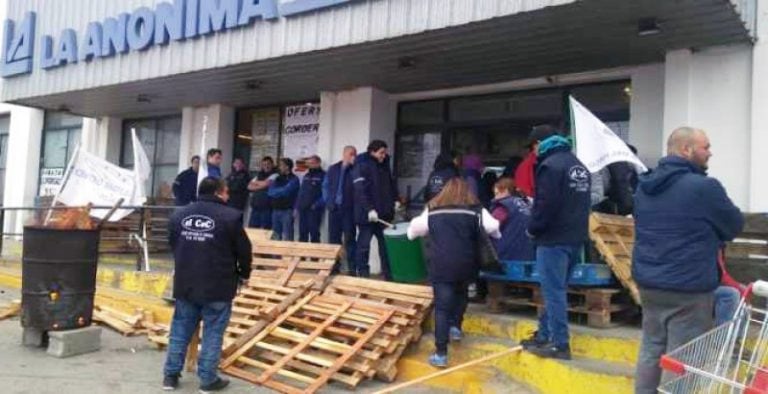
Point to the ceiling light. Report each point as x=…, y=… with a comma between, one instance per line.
x=253, y=85
x=143, y=98
x=648, y=27
x=406, y=62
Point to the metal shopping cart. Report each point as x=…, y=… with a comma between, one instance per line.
x=731, y=358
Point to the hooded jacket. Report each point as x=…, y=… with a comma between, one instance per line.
x=682, y=216
x=443, y=170
x=185, y=187
x=375, y=188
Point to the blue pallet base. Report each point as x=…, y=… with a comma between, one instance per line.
x=585, y=274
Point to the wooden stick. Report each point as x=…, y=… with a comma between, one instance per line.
x=388, y=224
x=450, y=370
x=110, y=213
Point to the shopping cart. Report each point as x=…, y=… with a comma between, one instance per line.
x=731, y=358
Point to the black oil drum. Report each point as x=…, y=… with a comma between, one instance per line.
x=58, y=279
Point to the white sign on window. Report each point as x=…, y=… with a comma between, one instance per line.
x=50, y=180
x=300, y=130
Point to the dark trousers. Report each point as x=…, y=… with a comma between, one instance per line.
x=670, y=320
x=282, y=224
x=186, y=316
x=555, y=264
x=309, y=225
x=342, y=231
x=261, y=218
x=450, y=305
x=366, y=232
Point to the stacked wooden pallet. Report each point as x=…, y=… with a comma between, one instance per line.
x=614, y=238
x=292, y=264
x=142, y=322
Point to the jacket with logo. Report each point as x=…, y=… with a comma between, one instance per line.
x=311, y=191
x=210, y=249
x=560, y=214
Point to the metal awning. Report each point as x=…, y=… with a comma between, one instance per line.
x=575, y=37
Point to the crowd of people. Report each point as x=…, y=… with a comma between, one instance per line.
x=536, y=210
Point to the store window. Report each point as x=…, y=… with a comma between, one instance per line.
x=5, y=123
x=257, y=135
x=160, y=138
x=61, y=135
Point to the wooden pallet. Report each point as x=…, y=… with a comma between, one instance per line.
x=291, y=264
x=602, y=307
x=311, y=343
x=412, y=304
x=257, y=234
x=746, y=257
x=614, y=239
x=255, y=306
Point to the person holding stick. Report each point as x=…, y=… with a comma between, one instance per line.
x=452, y=220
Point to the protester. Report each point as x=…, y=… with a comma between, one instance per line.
x=443, y=170
x=513, y=211
x=559, y=225
x=682, y=216
x=211, y=253
x=213, y=160
x=310, y=205
x=185, y=185
x=339, y=195
x=261, y=206
x=283, y=192
x=375, y=199
x=451, y=221
x=525, y=172
x=728, y=294
x=237, y=181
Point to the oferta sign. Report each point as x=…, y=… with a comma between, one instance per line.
x=140, y=30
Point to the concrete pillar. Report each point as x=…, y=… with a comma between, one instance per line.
x=102, y=137
x=677, y=92
x=355, y=117
x=646, y=123
x=23, y=167
x=220, y=134
x=758, y=187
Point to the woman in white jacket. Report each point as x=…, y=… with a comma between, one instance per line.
x=452, y=220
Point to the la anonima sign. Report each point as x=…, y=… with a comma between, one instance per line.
x=139, y=30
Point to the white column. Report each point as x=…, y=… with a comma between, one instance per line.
x=102, y=137
x=646, y=123
x=221, y=129
x=677, y=92
x=23, y=166
x=758, y=187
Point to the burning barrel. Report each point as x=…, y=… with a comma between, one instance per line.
x=58, y=278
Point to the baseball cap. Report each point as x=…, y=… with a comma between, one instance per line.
x=540, y=133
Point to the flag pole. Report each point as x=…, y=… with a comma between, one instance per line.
x=203, y=156
x=64, y=180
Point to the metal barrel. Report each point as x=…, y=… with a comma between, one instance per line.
x=58, y=278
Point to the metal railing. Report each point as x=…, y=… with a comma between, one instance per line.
x=138, y=235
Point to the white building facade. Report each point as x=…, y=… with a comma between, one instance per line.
x=423, y=75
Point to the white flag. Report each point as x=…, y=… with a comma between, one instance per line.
x=596, y=144
x=142, y=170
x=202, y=172
x=94, y=180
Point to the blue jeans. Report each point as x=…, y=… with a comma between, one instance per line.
x=261, y=218
x=726, y=301
x=186, y=316
x=309, y=225
x=366, y=232
x=341, y=222
x=554, y=264
x=282, y=224
x=450, y=305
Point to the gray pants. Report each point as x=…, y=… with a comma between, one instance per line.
x=670, y=319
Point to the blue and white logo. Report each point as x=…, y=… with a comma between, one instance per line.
x=198, y=223
x=19, y=46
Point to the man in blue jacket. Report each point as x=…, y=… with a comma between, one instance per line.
x=558, y=226
x=283, y=192
x=682, y=216
x=375, y=198
x=338, y=194
x=212, y=254
x=185, y=185
x=213, y=161
x=310, y=202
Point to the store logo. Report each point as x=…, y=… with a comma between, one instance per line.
x=198, y=224
x=141, y=29
x=19, y=46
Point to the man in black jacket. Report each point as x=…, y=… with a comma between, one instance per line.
x=185, y=185
x=558, y=226
x=261, y=207
x=338, y=194
x=212, y=254
x=237, y=182
x=375, y=198
x=310, y=202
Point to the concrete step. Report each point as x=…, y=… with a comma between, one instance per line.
x=522, y=371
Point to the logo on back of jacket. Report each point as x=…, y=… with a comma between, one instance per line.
x=197, y=228
x=579, y=179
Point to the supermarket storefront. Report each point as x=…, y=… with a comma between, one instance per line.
x=292, y=78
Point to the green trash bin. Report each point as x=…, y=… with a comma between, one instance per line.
x=406, y=257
